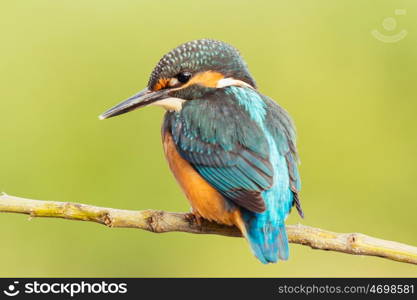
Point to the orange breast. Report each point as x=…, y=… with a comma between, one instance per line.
x=205, y=200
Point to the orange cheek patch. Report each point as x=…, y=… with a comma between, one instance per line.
x=162, y=83
x=207, y=78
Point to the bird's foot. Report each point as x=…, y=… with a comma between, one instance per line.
x=194, y=218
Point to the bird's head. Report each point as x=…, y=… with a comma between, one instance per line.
x=186, y=73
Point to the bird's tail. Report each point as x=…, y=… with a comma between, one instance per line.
x=268, y=240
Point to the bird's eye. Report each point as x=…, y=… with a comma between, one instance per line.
x=183, y=77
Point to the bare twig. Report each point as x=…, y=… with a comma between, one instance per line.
x=160, y=221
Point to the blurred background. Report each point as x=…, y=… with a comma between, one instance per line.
x=345, y=70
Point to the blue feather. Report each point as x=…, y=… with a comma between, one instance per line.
x=243, y=144
x=266, y=231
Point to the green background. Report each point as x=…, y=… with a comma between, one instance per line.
x=353, y=99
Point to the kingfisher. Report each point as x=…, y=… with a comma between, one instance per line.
x=231, y=149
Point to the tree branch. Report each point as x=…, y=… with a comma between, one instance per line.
x=160, y=221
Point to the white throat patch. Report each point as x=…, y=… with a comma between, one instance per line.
x=171, y=104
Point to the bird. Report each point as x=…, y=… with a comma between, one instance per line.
x=231, y=149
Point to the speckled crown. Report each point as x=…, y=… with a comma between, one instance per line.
x=202, y=55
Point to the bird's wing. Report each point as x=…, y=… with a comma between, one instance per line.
x=282, y=129
x=225, y=146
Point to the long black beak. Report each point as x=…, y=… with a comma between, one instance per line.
x=143, y=98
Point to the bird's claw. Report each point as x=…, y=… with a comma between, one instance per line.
x=194, y=218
